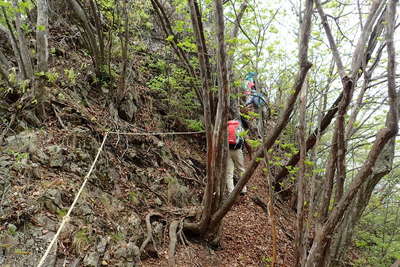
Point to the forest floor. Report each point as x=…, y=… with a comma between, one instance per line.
x=246, y=238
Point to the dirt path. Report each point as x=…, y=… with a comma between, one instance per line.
x=246, y=239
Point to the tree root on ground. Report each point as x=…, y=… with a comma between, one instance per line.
x=7, y=128
x=172, y=243
x=261, y=203
x=149, y=231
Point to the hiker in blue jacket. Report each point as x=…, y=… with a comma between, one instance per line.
x=258, y=103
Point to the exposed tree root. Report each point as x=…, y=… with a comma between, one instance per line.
x=149, y=231
x=261, y=203
x=7, y=128
x=172, y=243
x=58, y=117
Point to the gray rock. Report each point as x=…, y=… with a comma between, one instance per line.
x=73, y=167
x=127, y=108
x=5, y=161
x=121, y=251
x=23, y=142
x=134, y=220
x=39, y=156
x=91, y=259
x=157, y=231
x=102, y=245
x=52, y=200
x=133, y=252
x=56, y=154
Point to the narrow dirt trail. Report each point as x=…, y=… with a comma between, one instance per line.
x=246, y=238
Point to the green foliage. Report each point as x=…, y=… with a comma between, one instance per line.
x=62, y=212
x=195, y=125
x=378, y=234
x=254, y=143
x=71, y=75
x=134, y=198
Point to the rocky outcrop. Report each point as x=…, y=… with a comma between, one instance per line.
x=40, y=175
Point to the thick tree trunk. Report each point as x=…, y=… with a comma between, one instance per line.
x=201, y=226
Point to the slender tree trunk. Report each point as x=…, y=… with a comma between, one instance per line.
x=367, y=53
x=14, y=45
x=300, y=229
x=324, y=234
x=167, y=28
x=124, y=46
x=282, y=122
x=234, y=103
x=89, y=31
x=22, y=44
x=42, y=31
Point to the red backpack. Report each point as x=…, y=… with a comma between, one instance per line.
x=234, y=129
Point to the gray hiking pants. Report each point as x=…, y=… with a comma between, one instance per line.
x=235, y=161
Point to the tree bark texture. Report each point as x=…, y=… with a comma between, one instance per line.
x=281, y=124
x=167, y=28
x=324, y=234
x=300, y=229
x=215, y=134
x=354, y=73
x=14, y=45
x=234, y=103
x=90, y=35
x=42, y=31
x=22, y=44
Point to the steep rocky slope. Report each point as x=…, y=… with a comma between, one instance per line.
x=42, y=170
x=43, y=164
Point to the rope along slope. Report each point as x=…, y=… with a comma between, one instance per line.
x=67, y=216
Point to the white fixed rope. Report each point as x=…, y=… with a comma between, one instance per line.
x=67, y=216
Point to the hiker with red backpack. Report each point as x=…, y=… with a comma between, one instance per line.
x=236, y=141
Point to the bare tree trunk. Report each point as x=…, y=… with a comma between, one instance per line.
x=201, y=226
x=42, y=31
x=384, y=162
x=341, y=143
x=323, y=235
x=14, y=44
x=90, y=35
x=124, y=46
x=234, y=103
x=300, y=229
x=281, y=124
x=22, y=44
x=326, y=120
x=220, y=129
